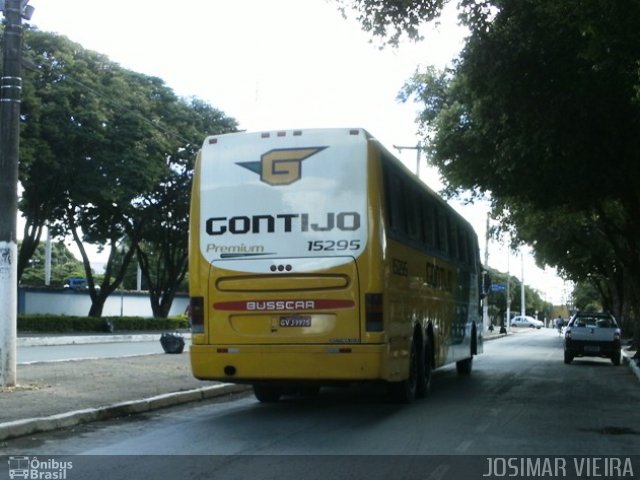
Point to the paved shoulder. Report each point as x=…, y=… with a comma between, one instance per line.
x=110, y=386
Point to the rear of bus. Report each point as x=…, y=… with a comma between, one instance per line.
x=282, y=269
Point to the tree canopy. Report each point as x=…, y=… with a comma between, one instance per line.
x=540, y=112
x=63, y=266
x=106, y=157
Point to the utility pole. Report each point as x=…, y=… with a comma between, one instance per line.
x=485, y=303
x=10, y=94
x=523, y=310
x=418, y=149
x=47, y=259
x=506, y=327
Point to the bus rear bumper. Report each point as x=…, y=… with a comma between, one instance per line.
x=252, y=363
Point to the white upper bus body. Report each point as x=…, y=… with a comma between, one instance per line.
x=302, y=196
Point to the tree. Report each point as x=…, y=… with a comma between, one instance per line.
x=583, y=296
x=163, y=250
x=540, y=111
x=94, y=120
x=63, y=266
x=498, y=300
x=39, y=173
x=389, y=20
x=103, y=143
x=578, y=244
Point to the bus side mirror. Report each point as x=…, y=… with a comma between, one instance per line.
x=486, y=284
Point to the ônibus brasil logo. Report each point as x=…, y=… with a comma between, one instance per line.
x=34, y=468
x=281, y=166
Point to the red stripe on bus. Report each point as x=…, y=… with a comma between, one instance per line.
x=283, y=305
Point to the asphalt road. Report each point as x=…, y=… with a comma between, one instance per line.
x=521, y=399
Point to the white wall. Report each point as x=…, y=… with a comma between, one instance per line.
x=69, y=302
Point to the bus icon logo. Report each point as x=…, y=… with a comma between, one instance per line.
x=18, y=467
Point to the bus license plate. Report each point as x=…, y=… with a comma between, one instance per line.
x=297, y=321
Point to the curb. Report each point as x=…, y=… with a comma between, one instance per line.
x=632, y=364
x=29, y=426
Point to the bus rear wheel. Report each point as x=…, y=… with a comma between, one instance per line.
x=267, y=393
x=424, y=373
x=465, y=366
x=405, y=391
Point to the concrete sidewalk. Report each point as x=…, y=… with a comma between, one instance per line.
x=56, y=395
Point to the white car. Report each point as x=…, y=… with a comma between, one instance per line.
x=592, y=335
x=526, y=321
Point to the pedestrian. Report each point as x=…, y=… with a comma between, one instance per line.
x=559, y=323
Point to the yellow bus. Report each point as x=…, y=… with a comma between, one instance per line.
x=317, y=258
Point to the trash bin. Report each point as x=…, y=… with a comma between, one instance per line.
x=172, y=342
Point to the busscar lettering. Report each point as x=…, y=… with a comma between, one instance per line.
x=287, y=222
x=281, y=305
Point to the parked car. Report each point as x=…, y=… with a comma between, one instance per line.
x=592, y=335
x=77, y=283
x=526, y=321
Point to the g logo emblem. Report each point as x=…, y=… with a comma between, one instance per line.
x=281, y=166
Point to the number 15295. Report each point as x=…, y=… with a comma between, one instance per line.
x=333, y=245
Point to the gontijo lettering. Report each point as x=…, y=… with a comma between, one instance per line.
x=286, y=222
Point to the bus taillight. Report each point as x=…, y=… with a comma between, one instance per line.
x=196, y=314
x=373, y=312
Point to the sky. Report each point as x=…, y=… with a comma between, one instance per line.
x=281, y=64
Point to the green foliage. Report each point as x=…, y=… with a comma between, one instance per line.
x=541, y=112
x=162, y=250
x=63, y=266
x=586, y=297
x=64, y=324
x=534, y=303
x=107, y=158
x=389, y=20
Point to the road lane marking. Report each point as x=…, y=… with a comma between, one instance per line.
x=464, y=446
x=483, y=427
x=439, y=472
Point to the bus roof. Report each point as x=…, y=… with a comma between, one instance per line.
x=324, y=132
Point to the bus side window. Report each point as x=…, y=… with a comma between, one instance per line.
x=453, y=238
x=428, y=223
x=443, y=245
x=412, y=209
x=393, y=188
x=463, y=245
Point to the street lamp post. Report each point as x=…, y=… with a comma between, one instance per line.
x=523, y=309
x=10, y=94
x=418, y=149
x=506, y=326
